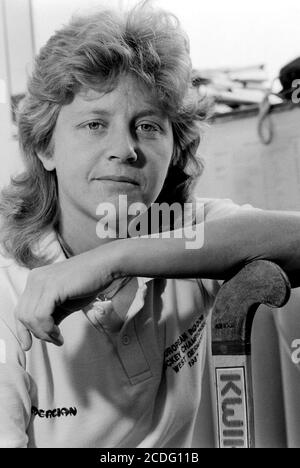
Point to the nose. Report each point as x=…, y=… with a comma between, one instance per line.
x=123, y=146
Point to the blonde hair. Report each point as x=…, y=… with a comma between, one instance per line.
x=91, y=51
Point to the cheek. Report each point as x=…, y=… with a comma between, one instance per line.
x=157, y=171
x=70, y=178
x=69, y=152
x=71, y=162
x=162, y=161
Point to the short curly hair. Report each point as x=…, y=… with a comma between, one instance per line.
x=90, y=51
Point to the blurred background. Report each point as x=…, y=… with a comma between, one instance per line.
x=251, y=149
x=226, y=33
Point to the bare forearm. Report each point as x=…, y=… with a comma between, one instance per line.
x=228, y=244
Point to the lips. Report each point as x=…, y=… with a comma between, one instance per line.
x=114, y=178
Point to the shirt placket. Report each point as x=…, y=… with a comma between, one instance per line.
x=123, y=334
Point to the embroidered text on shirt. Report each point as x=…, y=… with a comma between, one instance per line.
x=185, y=349
x=57, y=412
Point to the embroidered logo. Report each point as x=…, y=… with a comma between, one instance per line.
x=55, y=413
x=184, y=351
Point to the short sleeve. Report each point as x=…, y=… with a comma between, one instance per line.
x=15, y=401
x=220, y=207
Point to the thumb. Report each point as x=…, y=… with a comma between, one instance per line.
x=24, y=336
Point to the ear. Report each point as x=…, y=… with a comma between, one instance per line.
x=48, y=161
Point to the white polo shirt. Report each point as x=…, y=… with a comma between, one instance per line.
x=114, y=383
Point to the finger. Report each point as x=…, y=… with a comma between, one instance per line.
x=51, y=337
x=41, y=327
x=56, y=336
x=24, y=336
x=46, y=330
x=44, y=325
x=39, y=321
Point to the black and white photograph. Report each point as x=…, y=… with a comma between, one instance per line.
x=149, y=226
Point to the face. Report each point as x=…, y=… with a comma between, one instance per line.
x=109, y=144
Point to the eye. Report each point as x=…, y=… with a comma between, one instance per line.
x=148, y=128
x=94, y=126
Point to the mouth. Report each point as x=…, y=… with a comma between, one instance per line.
x=120, y=179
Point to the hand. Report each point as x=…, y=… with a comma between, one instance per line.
x=55, y=291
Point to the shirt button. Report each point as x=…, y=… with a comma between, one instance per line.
x=125, y=340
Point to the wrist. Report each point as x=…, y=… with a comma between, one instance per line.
x=122, y=253
x=113, y=258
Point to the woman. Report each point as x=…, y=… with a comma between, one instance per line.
x=107, y=114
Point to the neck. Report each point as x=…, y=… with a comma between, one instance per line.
x=79, y=233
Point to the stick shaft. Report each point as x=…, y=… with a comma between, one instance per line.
x=234, y=414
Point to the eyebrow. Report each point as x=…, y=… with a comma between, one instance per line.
x=142, y=113
x=151, y=112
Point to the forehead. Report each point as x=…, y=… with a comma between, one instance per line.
x=128, y=94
